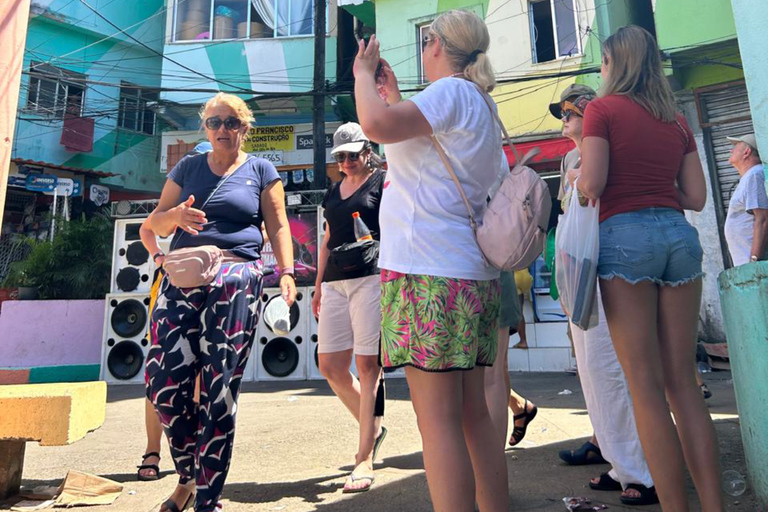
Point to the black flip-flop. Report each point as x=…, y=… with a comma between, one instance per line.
x=153, y=467
x=606, y=483
x=581, y=456
x=647, y=496
x=518, y=433
x=377, y=443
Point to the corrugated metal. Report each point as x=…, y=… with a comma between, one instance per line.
x=725, y=111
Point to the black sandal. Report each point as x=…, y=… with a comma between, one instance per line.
x=518, y=433
x=581, y=456
x=171, y=506
x=606, y=483
x=647, y=496
x=153, y=467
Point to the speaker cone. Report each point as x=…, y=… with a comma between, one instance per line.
x=125, y=360
x=137, y=254
x=280, y=357
x=128, y=279
x=129, y=318
x=294, y=313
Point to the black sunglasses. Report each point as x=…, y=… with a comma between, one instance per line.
x=230, y=123
x=343, y=155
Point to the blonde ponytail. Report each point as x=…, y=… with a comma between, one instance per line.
x=466, y=40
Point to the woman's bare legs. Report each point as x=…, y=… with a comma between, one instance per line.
x=359, y=397
x=455, y=430
x=497, y=389
x=678, y=326
x=654, y=332
x=154, y=435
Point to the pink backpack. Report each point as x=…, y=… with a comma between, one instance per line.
x=513, y=229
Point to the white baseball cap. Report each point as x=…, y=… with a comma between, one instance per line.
x=349, y=138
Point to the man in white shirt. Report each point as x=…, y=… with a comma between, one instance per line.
x=746, y=225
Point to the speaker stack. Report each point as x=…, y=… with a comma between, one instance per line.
x=283, y=357
x=126, y=319
x=125, y=344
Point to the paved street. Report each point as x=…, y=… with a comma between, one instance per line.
x=295, y=444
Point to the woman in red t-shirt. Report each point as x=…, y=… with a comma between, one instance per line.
x=639, y=158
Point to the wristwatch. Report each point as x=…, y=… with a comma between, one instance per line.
x=288, y=271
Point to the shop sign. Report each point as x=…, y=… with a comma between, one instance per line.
x=270, y=138
x=41, y=182
x=65, y=187
x=17, y=180
x=308, y=141
x=99, y=194
x=77, y=189
x=276, y=157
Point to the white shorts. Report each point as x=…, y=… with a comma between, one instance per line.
x=350, y=316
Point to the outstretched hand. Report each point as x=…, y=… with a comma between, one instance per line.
x=190, y=219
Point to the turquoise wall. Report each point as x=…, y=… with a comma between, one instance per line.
x=750, y=19
x=68, y=35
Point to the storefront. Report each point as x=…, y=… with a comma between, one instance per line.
x=40, y=194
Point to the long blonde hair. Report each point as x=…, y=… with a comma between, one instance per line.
x=635, y=71
x=466, y=40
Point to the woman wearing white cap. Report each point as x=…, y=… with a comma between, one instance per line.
x=347, y=295
x=440, y=301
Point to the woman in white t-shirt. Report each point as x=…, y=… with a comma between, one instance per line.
x=440, y=302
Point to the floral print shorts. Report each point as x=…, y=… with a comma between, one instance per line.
x=438, y=323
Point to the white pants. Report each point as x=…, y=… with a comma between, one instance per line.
x=609, y=403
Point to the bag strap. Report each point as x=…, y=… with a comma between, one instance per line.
x=216, y=189
x=519, y=161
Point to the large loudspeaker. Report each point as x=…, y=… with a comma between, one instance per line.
x=124, y=346
x=283, y=357
x=132, y=265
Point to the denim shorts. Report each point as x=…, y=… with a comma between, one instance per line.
x=654, y=244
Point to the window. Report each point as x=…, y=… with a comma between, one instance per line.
x=54, y=92
x=422, y=31
x=133, y=113
x=554, y=29
x=205, y=20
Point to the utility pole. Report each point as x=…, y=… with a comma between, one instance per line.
x=318, y=102
x=13, y=33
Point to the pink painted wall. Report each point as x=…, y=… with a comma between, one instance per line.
x=50, y=332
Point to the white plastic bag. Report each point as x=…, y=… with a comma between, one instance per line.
x=277, y=316
x=577, y=247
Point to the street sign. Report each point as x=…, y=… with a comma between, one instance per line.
x=65, y=187
x=41, y=182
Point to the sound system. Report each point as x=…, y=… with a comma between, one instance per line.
x=282, y=357
x=132, y=265
x=125, y=346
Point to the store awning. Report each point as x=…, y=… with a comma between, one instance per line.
x=552, y=150
x=76, y=170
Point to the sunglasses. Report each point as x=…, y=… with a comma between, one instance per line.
x=230, y=123
x=340, y=157
x=567, y=115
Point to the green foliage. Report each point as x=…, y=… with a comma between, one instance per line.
x=75, y=265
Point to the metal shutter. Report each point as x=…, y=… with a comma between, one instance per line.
x=725, y=113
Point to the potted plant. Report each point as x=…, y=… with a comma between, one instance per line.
x=75, y=265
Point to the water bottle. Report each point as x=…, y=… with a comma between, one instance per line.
x=734, y=483
x=361, y=230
